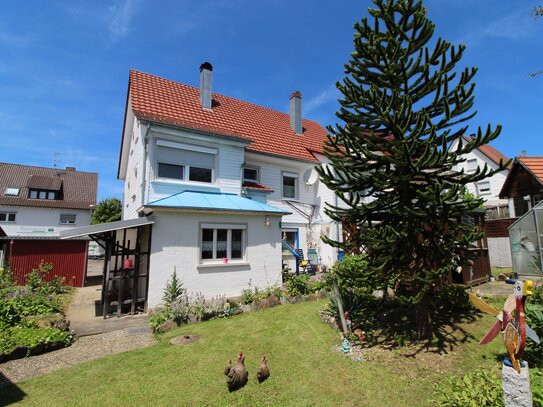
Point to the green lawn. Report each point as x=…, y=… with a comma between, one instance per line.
x=305, y=368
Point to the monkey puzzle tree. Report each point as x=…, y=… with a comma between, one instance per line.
x=403, y=104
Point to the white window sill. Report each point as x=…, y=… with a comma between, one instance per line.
x=229, y=264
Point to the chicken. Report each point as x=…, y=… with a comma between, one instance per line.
x=237, y=376
x=263, y=372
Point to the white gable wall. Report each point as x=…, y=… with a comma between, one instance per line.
x=496, y=181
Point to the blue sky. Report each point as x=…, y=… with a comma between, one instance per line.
x=64, y=66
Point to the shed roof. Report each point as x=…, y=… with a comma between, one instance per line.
x=214, y=201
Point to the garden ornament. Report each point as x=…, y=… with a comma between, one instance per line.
x=514, y=327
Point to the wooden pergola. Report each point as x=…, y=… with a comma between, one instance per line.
x=125, y=281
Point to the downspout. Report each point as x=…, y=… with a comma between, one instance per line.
x=145, y=182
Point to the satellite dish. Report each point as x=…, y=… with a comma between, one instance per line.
x=310, y=177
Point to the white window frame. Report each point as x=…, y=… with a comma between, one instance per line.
x=485, y=191
x=6, y=215
x=186, y=168
x=12, y=191
x=296, y=185
x=229, y=227
x=469, y=165
x=251, y=167
x=67, y=222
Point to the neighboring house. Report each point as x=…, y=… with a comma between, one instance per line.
x=37, y=203
x=524, y=184
x=227, y=182
x=489, y=188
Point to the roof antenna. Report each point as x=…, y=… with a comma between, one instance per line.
x=55, y=160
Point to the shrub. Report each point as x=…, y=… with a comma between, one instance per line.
x=174, y=289
x=536, y=381
x=36, y=304
x=452, y=297
x=247, y=296
x=298, y=285
x=158, y=316
x=348, y=271
x=9, y=314
x=534, y=318
x=6, y=278
x=181, y=309
x=480, y=388
x=35, y=280
x=31, y=337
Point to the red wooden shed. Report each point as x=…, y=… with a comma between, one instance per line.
x=68, y=257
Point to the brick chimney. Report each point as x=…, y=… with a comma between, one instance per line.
x=296, y=112
x=206, y=76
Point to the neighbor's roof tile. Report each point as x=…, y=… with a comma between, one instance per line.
x=534, y=165
x=165, y=101
x=77, y=189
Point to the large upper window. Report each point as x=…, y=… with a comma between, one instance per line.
x=42, y=194
x=290, y=185
x=184, y=162
x=7, y=216
x=222, y=243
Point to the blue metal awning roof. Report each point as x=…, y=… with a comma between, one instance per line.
x=214, y=201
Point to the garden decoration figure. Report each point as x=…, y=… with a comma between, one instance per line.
x=513, y=327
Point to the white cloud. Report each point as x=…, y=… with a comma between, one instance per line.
x=120, y=16
x=515, y=26
x=328, y=95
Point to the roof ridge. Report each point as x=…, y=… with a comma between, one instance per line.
x=221, y=95
x=46, y=168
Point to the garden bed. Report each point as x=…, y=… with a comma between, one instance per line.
x=32, y=318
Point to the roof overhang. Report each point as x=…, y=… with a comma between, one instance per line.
x=106, y=227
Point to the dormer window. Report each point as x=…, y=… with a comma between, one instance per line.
x=12, y=192
x=185, y=162
x=41, y=194
x=250, y=174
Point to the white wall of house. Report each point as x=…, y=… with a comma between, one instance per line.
x=176, y=243
x=496, y=181
x=28, y=217
x=227, y=168
x=135, y=178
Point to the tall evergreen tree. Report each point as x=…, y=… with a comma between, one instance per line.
x=403, y=105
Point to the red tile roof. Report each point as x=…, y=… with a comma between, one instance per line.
x=256, y=185
x=157, y=99
x=492, y=153
x=77, y=189
x=534, y=165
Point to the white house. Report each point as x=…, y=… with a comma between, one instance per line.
x=226, y=182
x=38, y=203
x=489, y=188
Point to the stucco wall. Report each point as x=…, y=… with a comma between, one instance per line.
x=30, y=216
x=134, y=182
x=175, y=242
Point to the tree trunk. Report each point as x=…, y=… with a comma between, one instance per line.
x=423, y=318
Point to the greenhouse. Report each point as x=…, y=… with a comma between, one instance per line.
x=526, y=236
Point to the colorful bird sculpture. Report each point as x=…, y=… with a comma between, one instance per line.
x=513, y=327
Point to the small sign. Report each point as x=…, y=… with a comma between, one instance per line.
x=37, y=230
